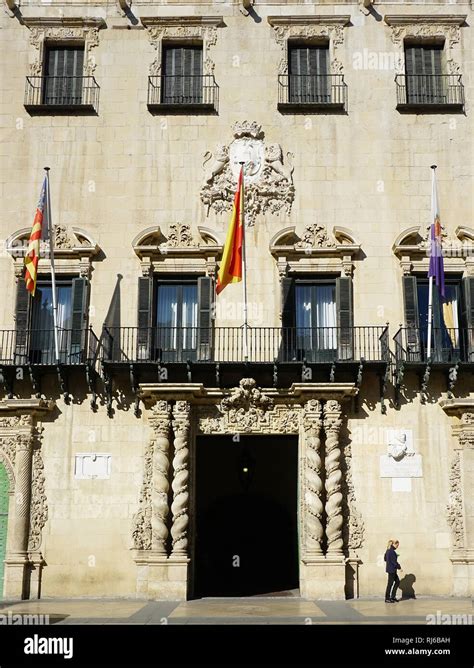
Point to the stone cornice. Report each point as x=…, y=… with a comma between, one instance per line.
x=182, y=21
x=457, y=406
x=32, y=406
x=435, y=19
x=63, y=22
x=302, y=20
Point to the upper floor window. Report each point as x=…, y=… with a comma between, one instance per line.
x=425, y=85
x=182, y=75
x=309, y=74
x=63, y=70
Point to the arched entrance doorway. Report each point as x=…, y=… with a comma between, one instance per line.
x=4, y=497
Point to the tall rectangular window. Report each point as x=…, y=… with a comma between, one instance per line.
x=177, y=319
x=63, y=75
x=42, y=346
x=182, y=80
x=309, y=74
x=423, y=69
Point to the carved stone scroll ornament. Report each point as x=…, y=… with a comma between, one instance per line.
x=332, y=425
x=180, y=505
x=268, y=174
x=426, y=30
x=313, y=527
x=249, y=410
x=82, y=30
x=454, y=508
x=315, y=236
x=207, y=34
x=38, y=503
x=331, y=32
x=179, y=236
x=355, y=526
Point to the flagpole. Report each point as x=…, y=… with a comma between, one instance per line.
x=430, y=288
x=53, y=273
x=244, y=269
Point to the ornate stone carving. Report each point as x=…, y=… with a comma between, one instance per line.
x=449, y=33
x=454, y=508
x=355, y=525
x=141, y=533
x=16, y=421
x=313, y=485
x=38, y=502
x=179, y=236
x=8, y=456
x=268, y=176
x=83, y=30
x=315, y=236
x=180, y=505
x=62, y=238
x=332, y=425
x=248, y=410
x=169, y=31
x=331, y=31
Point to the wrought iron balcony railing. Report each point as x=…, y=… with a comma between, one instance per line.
x=125, y=345
x=37, y=347
x=323, y=91
x=441, y=91
x=448, y=345
x=46, y=93
x=183, y=92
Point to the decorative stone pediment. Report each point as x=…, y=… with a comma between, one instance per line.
x=191, y=28
x=463, y=426
x=412, y=247
x=312, y=29
x=268, y=174
x=74, y=250
x=428, y=28
x=197, y=250
x=315, y=249
x=63, y=29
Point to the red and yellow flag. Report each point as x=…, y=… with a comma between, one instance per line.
x=230, y=270
x=32, y=255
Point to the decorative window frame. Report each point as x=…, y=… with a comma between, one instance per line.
x=428, y=27
x=182, y=28
x=74, y=251
x=412, y=248
x=330, y=28
x=67, y=30
x=178, y=251
x=316, y=251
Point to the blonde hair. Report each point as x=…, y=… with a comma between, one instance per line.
x=391, y=542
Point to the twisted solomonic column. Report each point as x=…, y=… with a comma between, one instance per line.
x=21, y=512
x=332, y=425
x=161, y=423
x=179, y=507
x=313, y=528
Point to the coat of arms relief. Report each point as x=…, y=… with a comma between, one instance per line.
x=268, y=174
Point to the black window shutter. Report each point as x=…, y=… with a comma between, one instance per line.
x=345, y=319
x=205, y=305
x=145, y=310
x=468, y=315
x=412, y=320
x=80, y=298
x=63, y=75
x=173, y=75
x=22, y=321
x=288, y=307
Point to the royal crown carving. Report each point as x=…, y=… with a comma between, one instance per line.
x=268, y=174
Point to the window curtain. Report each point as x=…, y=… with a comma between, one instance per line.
x=167, y=314
x=177, y=316
x=450, y=310
x=42, y=321
x=326, y=316
x=189, y=316
x=316, y=318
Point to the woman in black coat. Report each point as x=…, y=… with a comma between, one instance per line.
x=391, y=567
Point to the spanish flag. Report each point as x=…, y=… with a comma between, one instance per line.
x=32, y=256
x=230, y=270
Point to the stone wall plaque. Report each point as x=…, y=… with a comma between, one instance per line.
x=92, y=466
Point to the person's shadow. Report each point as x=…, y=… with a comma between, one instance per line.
x=406, y=586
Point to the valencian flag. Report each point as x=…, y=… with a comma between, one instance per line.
x=37, y=233
x=230, y=270
x=436, y=269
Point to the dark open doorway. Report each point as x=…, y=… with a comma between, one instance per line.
x=246, y=515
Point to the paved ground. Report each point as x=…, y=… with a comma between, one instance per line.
x=253, y=610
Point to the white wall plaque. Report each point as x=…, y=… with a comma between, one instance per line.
x=401, y=484
x=92, y=465
x=408, y=467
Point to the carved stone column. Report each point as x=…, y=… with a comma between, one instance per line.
x=313, y=485
x=180, y=505
x=161, y=423
x=332, y=425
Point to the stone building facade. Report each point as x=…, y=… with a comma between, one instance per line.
x=123, y=464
